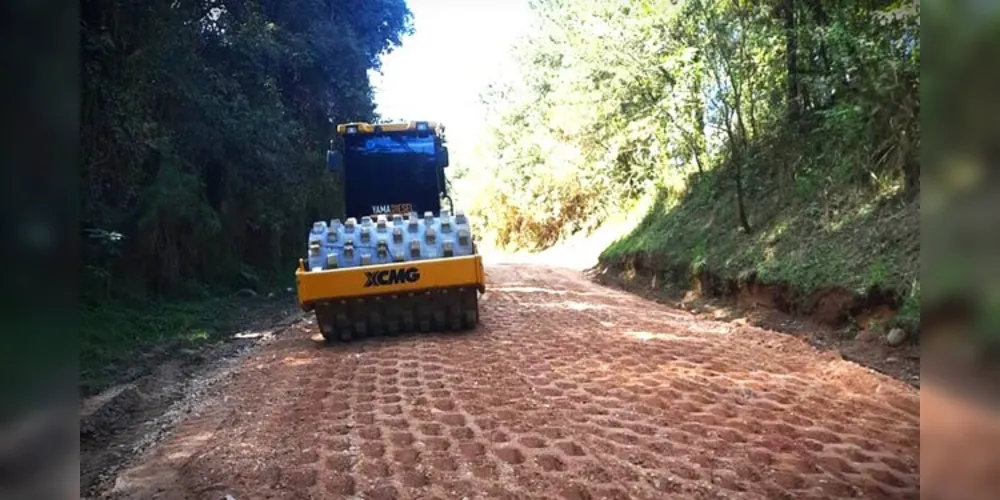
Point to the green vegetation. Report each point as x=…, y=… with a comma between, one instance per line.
x=779, y=139
x=117, y=335
x=865, y=244
x=204, y=128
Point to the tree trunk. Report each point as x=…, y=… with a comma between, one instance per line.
x=791, y=60
x=699, y=120
x=739, y=196
x=740, y=204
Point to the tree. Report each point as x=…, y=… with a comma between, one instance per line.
x=204, y=124
x=613, y=100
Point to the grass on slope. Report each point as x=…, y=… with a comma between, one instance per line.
x=117, y=338
x=808, y=233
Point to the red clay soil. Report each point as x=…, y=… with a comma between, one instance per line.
x=566, y=390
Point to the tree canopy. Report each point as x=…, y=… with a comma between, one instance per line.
x=204, y=125
x=617, y=98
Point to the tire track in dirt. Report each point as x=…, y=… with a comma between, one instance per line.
x=742, y=407
x=567, y=390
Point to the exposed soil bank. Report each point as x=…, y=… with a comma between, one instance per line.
x=833, y=318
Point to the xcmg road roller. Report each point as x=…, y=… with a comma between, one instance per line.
x=399, y=261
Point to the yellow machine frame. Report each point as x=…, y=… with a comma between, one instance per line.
x=431, y=274
x=369, y=128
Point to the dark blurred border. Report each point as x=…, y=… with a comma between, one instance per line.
x=38, y=196
x=960, y=250
x=960, y=203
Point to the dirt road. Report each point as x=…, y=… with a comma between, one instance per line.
x=567, y=390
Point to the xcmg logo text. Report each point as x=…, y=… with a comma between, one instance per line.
x=392, y=277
